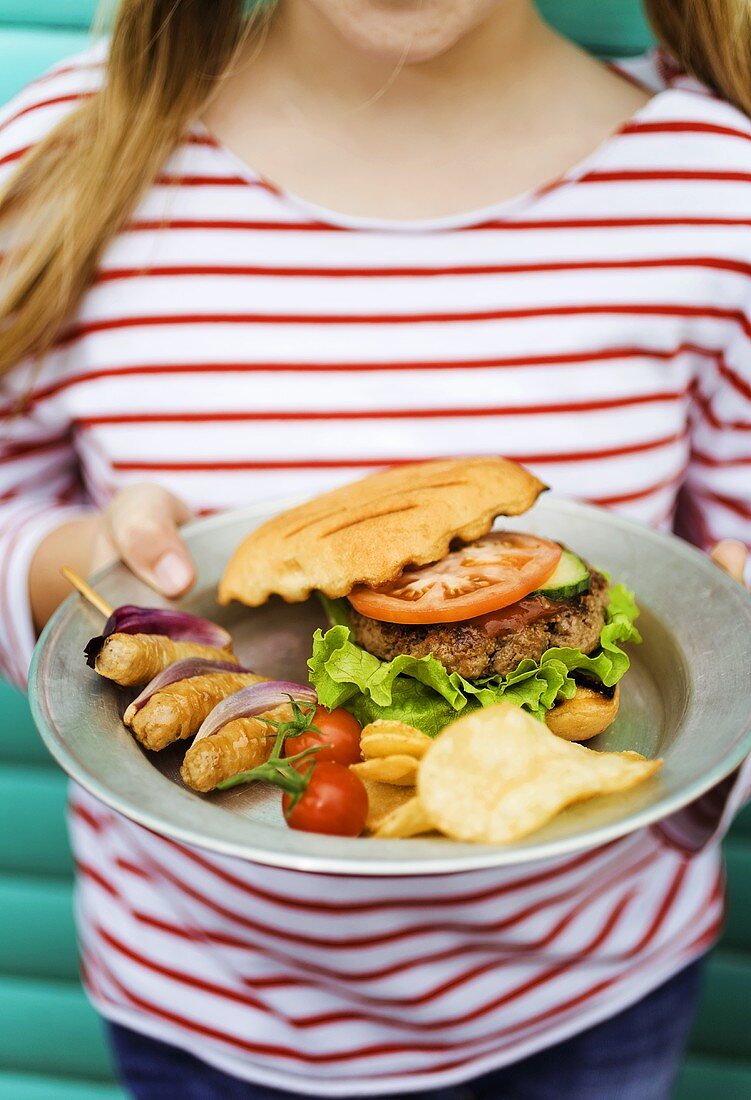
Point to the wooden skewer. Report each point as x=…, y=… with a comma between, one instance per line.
x=87, y=591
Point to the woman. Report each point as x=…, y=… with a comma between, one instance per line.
x=244, y=264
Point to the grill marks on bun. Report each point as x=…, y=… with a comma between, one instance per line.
x=405, y=515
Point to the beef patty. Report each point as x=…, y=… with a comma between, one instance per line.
x=468, y=648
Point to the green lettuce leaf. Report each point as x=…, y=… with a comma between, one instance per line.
x=422, y=692
x=334, y=610
x=610, y=662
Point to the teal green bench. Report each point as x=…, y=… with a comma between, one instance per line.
x=51, y=1041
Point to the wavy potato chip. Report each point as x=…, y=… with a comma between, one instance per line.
x=386, y=737
x=400, y=770
x=383, y=800
x=409, y=819
x=498, y=774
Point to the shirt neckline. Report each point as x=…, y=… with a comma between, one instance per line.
x=499, y=211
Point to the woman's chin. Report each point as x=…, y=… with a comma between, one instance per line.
x=398, y=32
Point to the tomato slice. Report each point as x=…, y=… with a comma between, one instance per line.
x=483, y=576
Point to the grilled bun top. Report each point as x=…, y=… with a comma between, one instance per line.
x=366, y=532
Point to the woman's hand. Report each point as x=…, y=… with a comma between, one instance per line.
x=140, y=528
x=731, y=556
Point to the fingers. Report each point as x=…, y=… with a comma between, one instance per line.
x=731, y=556
x=103, y=550
x=141, y=525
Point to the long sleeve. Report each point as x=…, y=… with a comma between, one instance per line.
x=39, y=490
x=716, y=504
x=716, y=501
x=39, y=482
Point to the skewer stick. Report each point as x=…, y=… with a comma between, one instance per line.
x=87, y=591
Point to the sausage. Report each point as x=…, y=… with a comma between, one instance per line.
x=237, y=747
x=178, y=709
x=132, y=659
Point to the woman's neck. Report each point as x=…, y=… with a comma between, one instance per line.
x=312, y=56
x=508, y=108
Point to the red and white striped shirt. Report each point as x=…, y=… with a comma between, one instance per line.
x=240, y=344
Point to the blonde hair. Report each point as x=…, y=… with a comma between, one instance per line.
x=76, y=188
x=73, y=192
x=711, y=40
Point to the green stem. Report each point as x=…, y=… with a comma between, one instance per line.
x=277, y=770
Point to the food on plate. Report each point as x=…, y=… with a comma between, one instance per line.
x=368, y=531
x=399, y=769
x=386, y=738
x=432, y=612
x=409, y=819
x=238, y=734
x=497, y=774
x=319, y=796
x=137, y=643
x=175, y=703
x=240, y=746
x=391, y=752
x=332, y=801
x=587, y=714
x=490, y=643
x=336, y=735
x=383, y=799
x=244, y=743
x=133, y=659
x=461, y=666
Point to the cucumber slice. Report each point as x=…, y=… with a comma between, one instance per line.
x=571, y=578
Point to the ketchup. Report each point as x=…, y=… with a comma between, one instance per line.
x=507, y=620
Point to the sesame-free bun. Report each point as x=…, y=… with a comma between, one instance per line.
x=368, y=531
x=584, y=716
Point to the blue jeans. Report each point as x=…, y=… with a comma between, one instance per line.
x=635, y=1055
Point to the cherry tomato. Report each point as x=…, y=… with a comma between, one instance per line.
x=483, y=576
x=335, y=801
x=339, y=733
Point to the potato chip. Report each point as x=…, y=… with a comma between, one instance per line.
x=400, y=770
x=386, y=738
x=498, y=774
x=383, y=799
x=410, y=819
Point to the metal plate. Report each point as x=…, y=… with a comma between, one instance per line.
x=686, y=698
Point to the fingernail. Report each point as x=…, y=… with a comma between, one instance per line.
x=172, y=573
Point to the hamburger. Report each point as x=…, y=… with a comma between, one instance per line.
x=432, y=611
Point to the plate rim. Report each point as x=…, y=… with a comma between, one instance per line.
x=479, y=857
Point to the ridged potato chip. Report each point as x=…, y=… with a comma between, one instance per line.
x=498, y=774
x=386, y=737
x=407, y=820
x=383, y=800
x=400, y=770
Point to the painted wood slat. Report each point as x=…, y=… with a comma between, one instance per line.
x=742, y=823
x=20, y=742
x=721, y=1028
x=22, y=1086
x=37, y=934
x=48, y=13
x=49, y=1028
x=32, y=814
x=710, y=1077
x=737, y=934
x=613, y=28
x=26, y=53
